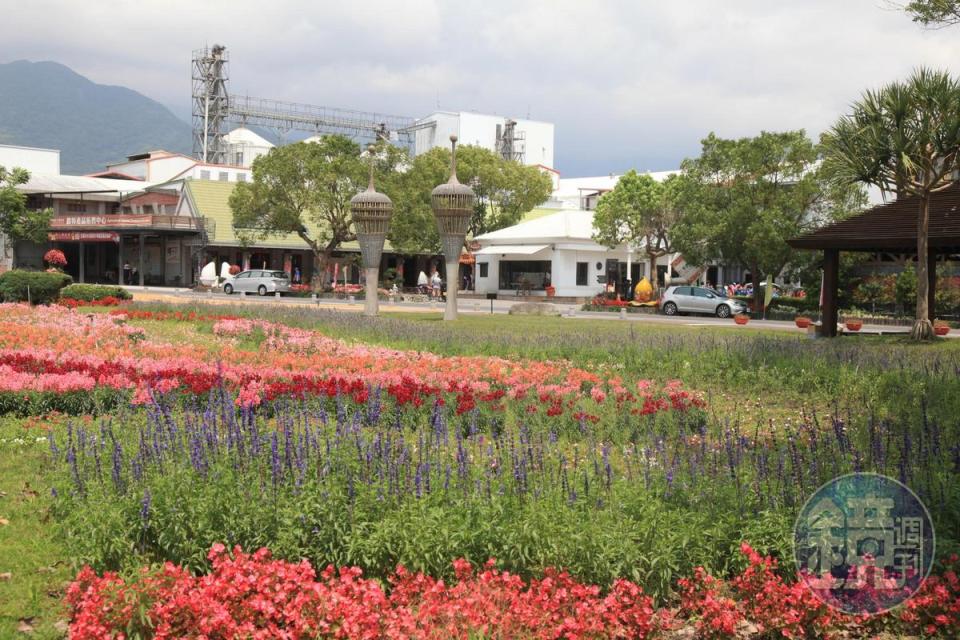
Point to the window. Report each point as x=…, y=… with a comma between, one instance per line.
x=683, y=291
x=702, y=293
x=583, y=269
x=484, y=269
x=529, y=274
x=204, y=174
x=241, y=177
x=238, y=159
x=74, y=207
x=224, y=176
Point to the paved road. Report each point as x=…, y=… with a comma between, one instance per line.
x=470, y=306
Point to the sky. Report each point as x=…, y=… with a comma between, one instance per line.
x=628, y=84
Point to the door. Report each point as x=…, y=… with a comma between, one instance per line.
x=684, y=299
x=242, y=281
x=703, y=300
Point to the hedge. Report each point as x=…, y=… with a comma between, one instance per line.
x=91, y=292
x=41, y=287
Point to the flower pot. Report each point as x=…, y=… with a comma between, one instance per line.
x=551, y=291
x=941, y=329
x=853, y=325
x=802, y=322
x=741, y=319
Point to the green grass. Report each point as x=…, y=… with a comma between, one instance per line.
x=29, y=549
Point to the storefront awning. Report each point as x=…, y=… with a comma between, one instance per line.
x=511, y=249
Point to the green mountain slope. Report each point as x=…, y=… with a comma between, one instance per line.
x=45, y=104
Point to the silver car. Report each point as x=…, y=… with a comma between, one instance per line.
x=261, y=281
x=687, y=299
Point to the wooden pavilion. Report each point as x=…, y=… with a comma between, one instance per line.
x=890, y=228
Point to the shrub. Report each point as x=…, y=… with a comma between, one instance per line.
x=41, y=287
x=55, y=258
x=91, y=292
x=235, y=269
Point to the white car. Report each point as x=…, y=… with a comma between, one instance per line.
x=261, y=281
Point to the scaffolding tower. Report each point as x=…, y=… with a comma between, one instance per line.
x=211, y=104
x=213, y=108
x=510, y=142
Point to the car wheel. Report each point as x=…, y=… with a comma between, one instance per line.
x=262, y=290
x=723, y=311
x=228, y=289
x=670, y=309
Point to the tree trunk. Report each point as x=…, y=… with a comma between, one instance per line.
x=653, y=272
x=320, y=261
x=922, y=327
x=757, y=294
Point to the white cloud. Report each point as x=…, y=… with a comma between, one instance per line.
x=627, y=83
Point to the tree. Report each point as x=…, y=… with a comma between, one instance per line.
x=904, y=139
x=505, y=190
x=934, y=13
x=17, y=222
x=641, y=212
x=305, y=189
x=743, y=199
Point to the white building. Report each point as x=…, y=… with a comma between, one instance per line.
x=244, y=146
x=583, y=193
x=531, y=140
x=32, y=159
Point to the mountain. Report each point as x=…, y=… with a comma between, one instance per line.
x=45, y=104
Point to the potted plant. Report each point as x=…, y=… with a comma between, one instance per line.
x=941, y=328
x=853, y=324
x=551, y=290
x=803, y=322
x=741, y=318
x=55, y=260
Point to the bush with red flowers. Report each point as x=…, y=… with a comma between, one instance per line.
x=55, y=258
x=235, y=269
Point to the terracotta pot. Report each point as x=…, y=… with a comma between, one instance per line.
x=941, y=329
x=854, y=325
x=741, y=319
x=802, y=322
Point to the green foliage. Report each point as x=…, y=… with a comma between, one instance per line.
x=505, y=191
x=905, y=286
x=745, y=198
x=41, y=287
x=91, y=292
x=305, y=189
x=934, y=13
x=16, y=220
x=640, y=211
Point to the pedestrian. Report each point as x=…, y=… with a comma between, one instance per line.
x=127, y=273
x=296, y=275
x=437, y=283
x=422, y=282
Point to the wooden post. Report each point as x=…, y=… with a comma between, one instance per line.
x=120, y=261
x=931, y=284
x=82, y=260
x=143, y=250
x=831, y=282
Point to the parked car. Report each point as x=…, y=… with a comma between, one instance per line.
x=261, y=281
x=687, y=299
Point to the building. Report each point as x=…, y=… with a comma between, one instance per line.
x=528, y=141
x=244, y=146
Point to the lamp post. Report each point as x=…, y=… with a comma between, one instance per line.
x=452, y=206
x=371, y=212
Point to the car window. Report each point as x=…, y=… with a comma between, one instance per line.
x=279, y=274
x=245, y=274
x=256, y=274
x=682, y=291
x=702, y=293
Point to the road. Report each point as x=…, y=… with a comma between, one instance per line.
x=472, y=306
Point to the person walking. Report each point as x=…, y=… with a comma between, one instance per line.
x=127, y=273
x=437, y=283
x=423, y=283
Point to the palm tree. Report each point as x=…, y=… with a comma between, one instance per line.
x=904, y=139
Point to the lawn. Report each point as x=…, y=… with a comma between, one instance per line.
x=615, y=450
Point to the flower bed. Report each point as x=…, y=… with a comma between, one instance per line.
x=254, y=595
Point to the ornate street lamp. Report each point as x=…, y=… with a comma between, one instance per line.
x=453, y=206
x=371, y=212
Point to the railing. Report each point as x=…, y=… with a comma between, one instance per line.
x=125, y=221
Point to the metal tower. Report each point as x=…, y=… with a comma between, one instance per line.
x=211, y=104
x=510, y=142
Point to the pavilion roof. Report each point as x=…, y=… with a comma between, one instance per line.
x=892, y=227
